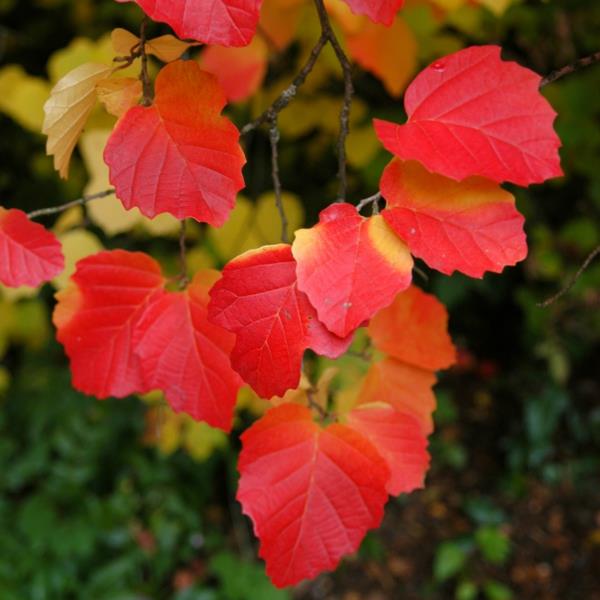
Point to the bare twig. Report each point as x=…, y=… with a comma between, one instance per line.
x=144, y=75
x=348, y=94
x=586, y=263
x=183, y=273
x=274, y=138
x=568, y=69
x=79, y=202
x=286, y=96
x=370, y=200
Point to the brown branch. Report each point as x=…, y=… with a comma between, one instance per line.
x=144, y=75
x=79, y=202
x=274, y=139
x=286, y=96
x=183, y=273
x=586, y=263
x=348, y=94
x=586, y=61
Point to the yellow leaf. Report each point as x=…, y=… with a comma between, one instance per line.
x=201, y=440
x=67, y=110
x=248, y=400
x=162, y=225
x=321, y=396
x=123, y=41
x=16, y=294
x=119, y=94
x=168, y=48
x=362, y=146
x=71, y=218
x=498, y=7
x=76, y=244
x=267, y=220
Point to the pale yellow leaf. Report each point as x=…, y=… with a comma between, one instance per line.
x=71, y=218
x=76, y=244
x=67, y=110
x=119, y=94
x=168, y=48
x=123, y=41
x=200, y=439
x=267, y=220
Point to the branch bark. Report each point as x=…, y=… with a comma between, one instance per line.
x=61, y=208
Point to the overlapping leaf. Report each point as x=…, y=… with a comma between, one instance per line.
x=379, y=11
x=223, y=22
x=471, y=113
x=470, y=226
x=179, y=155
x=350, y=267
x=258, y=300
x=312, y=493
x=187, y=357
x=29, y=253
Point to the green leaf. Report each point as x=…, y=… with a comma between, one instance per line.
x=493, y=543
x=450, y=558
x=494, y=590
x=466, y=590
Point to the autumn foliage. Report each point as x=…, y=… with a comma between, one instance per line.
x=315, y=474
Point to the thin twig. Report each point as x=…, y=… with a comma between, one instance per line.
x=370, y=200
x=144, y=75
x=286, y=96
x=348, y=94
x=183, y=273
x=586, y=263
x=312, y=403
x=274, y=139
x=79, y=202
x=586, y=61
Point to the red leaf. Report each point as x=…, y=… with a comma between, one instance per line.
x=29, y=253
x=399, y=439
x=179, y=155
x=311, y=493
x=350, y=267
x=379, y=11
x=408, y=389
x=96, y=317
x=258, y=300
x=414, y=329
x=224, y=22
x=470, y=226
x=472, y=113
x=187, y=357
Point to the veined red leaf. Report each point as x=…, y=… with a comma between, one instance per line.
x=223, y=22
x=470, y=226
x=408, y=389
x=311, y=493
x=257, y=299
x=350, y=267
x=29, y=253
x=187, y=357
x=179, y=155
x=96, y=316
x=414, y=329
x=471, y=113
x=379, y=11
x=400, y=440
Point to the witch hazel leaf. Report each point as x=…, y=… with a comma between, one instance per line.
x=312, y=493
x=258, y=299
x=223, y=22
x=96, y=317
x=470, y=226
x=472, y=113
x=67, y=110
x=29, y=253
x=180, y=155
x=350, y=267
x=408, y=389
x=119, y=94
x=414, y=329
x=399, y=439
x=379, y=11
x=186, y=356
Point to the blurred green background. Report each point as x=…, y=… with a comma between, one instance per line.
x=121, y=499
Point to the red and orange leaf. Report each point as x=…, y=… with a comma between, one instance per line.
x=470, y=226
x=178, y=156
x=408, y=389
x=240, y=71
x=379, y=11
x=279, y=20
x=471, y=113
x=400, y=440
x=311, y=493
x=96, y=317
x=187, y=357
x=223, y=22
x=350, y=267
x=390, y=53
x=29, y=253
x=258, y=300
x=414, y=329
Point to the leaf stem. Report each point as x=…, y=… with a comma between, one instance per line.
x=61, y=208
